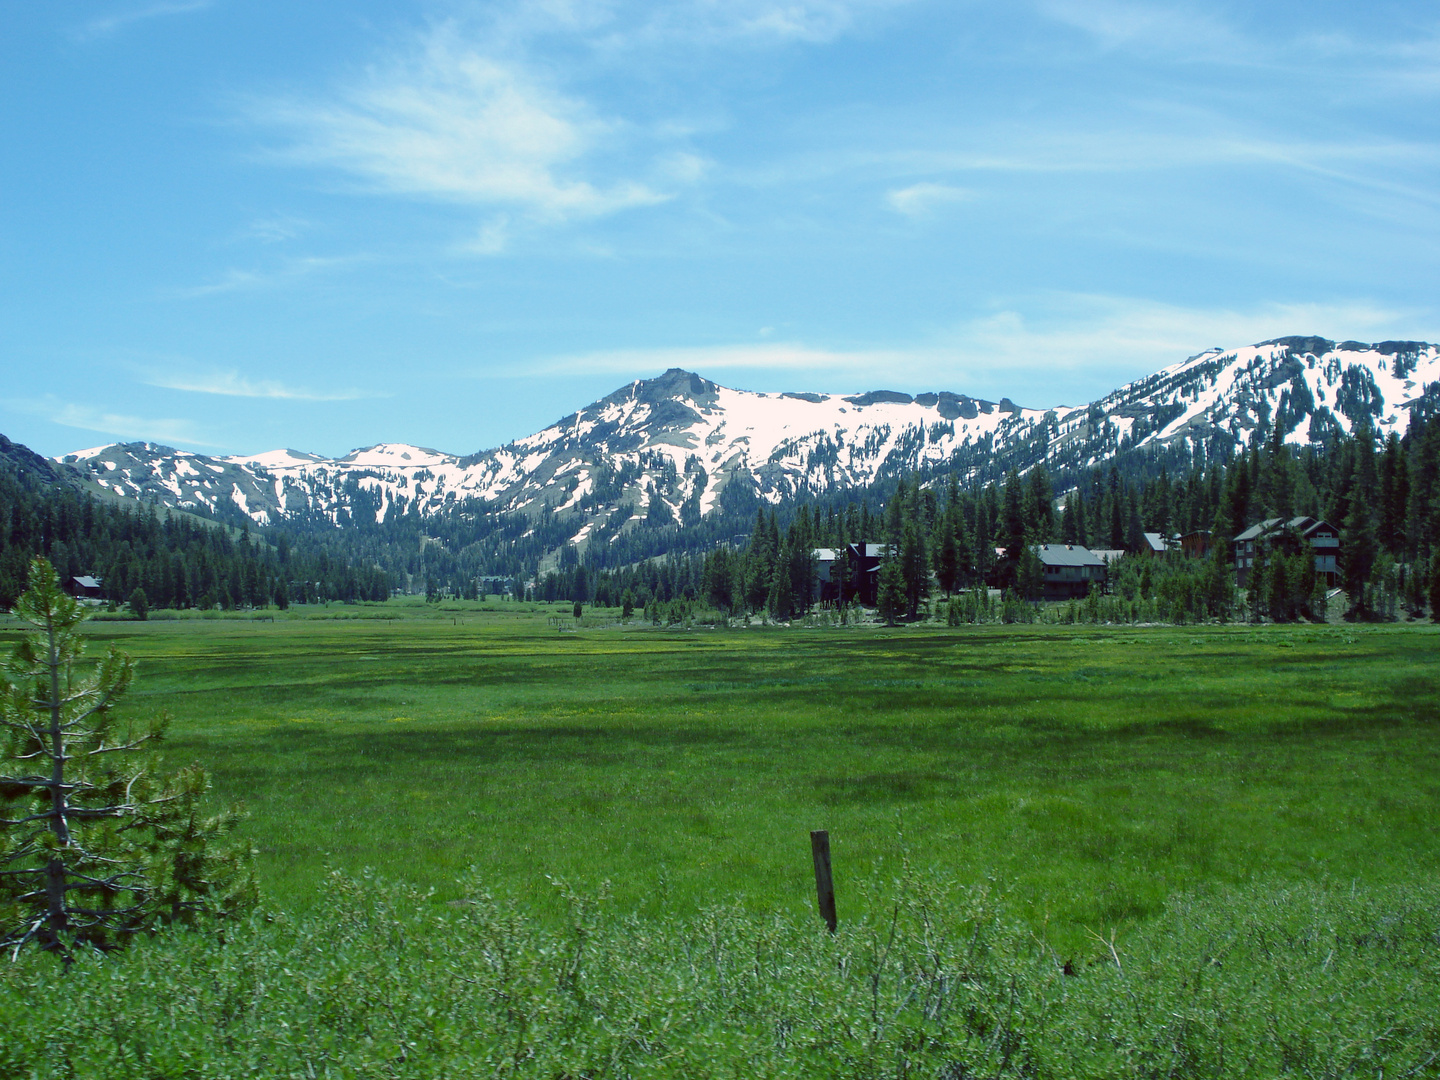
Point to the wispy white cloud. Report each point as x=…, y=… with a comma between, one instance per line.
x=233, y=384
x=237, y=280
x=1169, y=139
x=493, y=237
x=105, y=25
x=917, y=200
x=784, y=20
x=122, y=425
x=1168, y=30
x=767, y=356
x=274, y=230
x=1052, y=350
x=1078, y=332
x=449, y=122
x=626, y=25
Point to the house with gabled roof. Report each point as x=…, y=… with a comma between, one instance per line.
x=85, y=587
x=1196, y=544
x=1071, y=571
x=1252, y=546
x=1154, y=544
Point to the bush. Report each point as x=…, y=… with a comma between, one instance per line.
x=929, y=979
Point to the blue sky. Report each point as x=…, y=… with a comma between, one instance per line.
x=234, y=225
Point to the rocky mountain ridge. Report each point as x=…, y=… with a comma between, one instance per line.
x=667, y=449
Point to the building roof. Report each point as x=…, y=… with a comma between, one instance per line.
x=872, y=551
x=826, y=554
x=1108, y=555
x=1259, y=529
x=1304, y=525
x=86, y=582
x=1067, y=555
x=1155, y=542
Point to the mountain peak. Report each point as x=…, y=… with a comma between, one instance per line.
x=670, y=449
x=676, y=382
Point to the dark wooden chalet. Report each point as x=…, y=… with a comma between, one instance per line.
x=1321, y=537
x=1071, y=571
x=86, y=587
x=1195, y=545
x=865, y=562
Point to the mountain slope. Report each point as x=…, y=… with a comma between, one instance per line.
x=670, y=449
x=658, y=448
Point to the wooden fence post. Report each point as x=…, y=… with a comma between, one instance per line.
x=824, y=882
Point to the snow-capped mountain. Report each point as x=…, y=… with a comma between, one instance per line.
x=663, y=447
x=667, y=449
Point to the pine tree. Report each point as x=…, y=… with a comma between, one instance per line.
x=1013, y=517
x=1040, y=505
x=947, y=555
x=1357, y=537
x=890, y=596
x=1435, y=587
x=97, y=847
x=1030, y=574
x=1394, y=495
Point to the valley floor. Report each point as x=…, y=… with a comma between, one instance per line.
x=1092, y=771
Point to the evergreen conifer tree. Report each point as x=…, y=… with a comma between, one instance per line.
x=890, y=598
x=95, y=846
x=1435, y=587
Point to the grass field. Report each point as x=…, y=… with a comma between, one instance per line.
x=1090, y=772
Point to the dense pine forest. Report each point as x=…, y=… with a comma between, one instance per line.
x=175, y=560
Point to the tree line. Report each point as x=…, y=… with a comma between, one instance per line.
x=175, y=560
x=942, y=537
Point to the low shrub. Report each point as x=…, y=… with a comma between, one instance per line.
x=932, y=980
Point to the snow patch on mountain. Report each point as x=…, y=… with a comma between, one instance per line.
x=666, y=449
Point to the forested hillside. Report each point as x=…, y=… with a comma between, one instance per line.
x=177, y=560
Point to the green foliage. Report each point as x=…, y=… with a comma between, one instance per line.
x=924, y=978
x=891, y=601
x=96, y=846
x=138, y=604
x=1029, y=575
x=1435, y=587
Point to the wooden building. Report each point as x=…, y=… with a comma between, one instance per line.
x=1071, y=571
x=1318, y=535
x=1154, y=544
x=865, y=560
x=1195, y=545
x=86, y=587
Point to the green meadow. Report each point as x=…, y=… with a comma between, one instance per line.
x=1089, y=774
